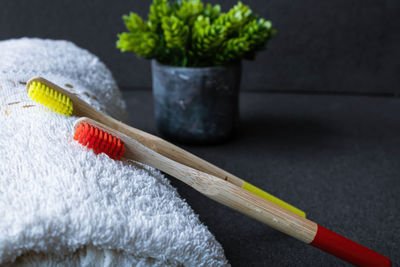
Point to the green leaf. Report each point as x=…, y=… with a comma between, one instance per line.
x=134, y=23
x=175, y=32
x=189, y=33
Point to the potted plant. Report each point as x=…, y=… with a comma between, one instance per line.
x=196, y=53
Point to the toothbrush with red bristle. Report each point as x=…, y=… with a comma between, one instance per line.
x=102, y=139
x=67, y=103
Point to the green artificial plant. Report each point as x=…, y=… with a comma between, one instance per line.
x=190, y=34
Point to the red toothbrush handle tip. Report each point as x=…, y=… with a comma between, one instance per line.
x=347, y=250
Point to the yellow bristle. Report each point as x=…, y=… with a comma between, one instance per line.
x=50, y=98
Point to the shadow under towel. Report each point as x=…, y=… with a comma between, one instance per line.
x=61, y=203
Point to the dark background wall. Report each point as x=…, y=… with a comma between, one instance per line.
x=330, y=46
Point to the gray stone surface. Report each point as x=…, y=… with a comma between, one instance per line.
x=335, y=157
x=196, y=105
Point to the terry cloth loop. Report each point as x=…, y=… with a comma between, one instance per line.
x=61, y=203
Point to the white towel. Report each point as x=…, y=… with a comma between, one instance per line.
x=61, y=203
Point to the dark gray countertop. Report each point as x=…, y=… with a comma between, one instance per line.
x=335, y=157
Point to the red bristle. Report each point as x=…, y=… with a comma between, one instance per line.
x=86, y=134
x=91, y=137
x=78, y=131
x=118, y=148
x=115, y=148
x=80, y=137
x=111, y=146
x=83, y=134
x=118, y=144
x=121, y=153
x=97, y=140
x=105, y=141
x=100, y=141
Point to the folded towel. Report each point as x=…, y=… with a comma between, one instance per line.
x=61, y=203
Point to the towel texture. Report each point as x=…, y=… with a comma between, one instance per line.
x=59, y=202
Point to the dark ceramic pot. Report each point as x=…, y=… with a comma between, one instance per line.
x=196, y=105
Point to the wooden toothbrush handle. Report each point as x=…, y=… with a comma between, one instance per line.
x=256, y=207
x=222, y=191
x=182, y=156
x=83, y=109
x=170, y=150
x=267, y=212
x=213, y=187
x=247, y=203
x=288, y=222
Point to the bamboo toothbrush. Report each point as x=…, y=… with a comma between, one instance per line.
x=103, y=139
x=67, y=103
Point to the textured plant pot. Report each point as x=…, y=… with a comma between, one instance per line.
x=196, y=105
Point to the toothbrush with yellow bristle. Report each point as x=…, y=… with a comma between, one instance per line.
x=103, y=139
x=67, y=103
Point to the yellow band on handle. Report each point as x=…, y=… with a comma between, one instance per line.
x=251, y=188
